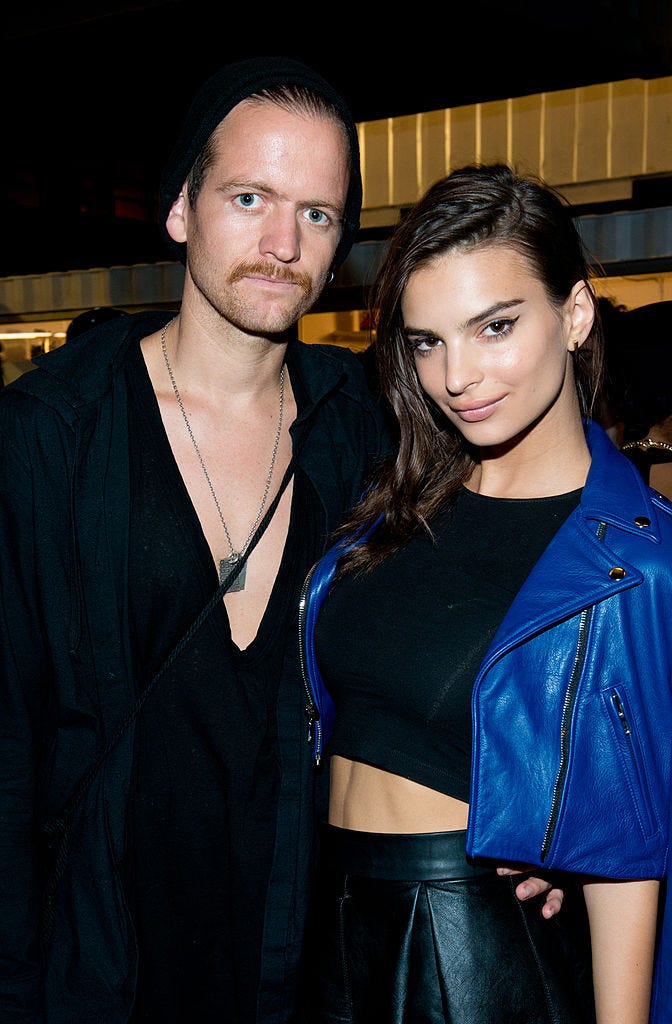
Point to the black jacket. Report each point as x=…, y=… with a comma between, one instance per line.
x=66, y=681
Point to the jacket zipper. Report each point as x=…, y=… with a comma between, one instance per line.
x=628, y=744
x=310, y=709
x=567, y=710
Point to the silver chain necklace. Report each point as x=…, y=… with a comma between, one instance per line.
x=227, y=564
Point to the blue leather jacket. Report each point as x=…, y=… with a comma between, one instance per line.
x=572, y=705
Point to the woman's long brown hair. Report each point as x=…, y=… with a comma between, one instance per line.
x=473, y=207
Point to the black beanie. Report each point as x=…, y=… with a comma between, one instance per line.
x=217, y=97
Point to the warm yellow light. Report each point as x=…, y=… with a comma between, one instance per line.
x=24, y=335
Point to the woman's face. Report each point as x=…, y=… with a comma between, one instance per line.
x=490, y=348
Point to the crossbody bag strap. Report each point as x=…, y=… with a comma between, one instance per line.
x=133, y=713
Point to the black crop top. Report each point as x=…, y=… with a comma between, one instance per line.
x=399, y=647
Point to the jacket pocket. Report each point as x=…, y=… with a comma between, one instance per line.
x=627, y=742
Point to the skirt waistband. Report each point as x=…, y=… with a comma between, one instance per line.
x=393, y=856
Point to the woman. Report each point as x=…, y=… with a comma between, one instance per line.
x=496, y=646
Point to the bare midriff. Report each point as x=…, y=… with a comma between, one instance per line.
x=368, y=799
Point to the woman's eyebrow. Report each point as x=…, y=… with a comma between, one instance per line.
x=497, y=307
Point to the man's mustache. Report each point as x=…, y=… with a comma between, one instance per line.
x=304, y=281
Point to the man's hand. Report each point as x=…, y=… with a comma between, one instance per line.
x=533, y=886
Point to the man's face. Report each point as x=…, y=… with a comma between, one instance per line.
x=263, y=232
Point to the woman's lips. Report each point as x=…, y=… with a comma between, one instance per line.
x=476, y=412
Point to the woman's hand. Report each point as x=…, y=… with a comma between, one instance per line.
x=531, y=886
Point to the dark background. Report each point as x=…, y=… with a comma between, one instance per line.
x=94, y=93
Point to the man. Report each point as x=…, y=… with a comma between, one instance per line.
x=156, y=790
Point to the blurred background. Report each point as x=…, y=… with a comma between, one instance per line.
x=95, y=94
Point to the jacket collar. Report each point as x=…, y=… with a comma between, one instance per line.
x=322, y=369
x=576, y=569
x=614, y=492
x=82, y=370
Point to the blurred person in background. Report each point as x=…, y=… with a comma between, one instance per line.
x=639, y=368
x=92, y=318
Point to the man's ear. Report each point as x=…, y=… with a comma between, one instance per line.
x=176, y=219
x=580, y=314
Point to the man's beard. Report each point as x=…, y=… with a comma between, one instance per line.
x=232, y=300
x=253, y=318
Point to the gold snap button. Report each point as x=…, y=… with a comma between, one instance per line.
x=642, y=521
x=617, y=573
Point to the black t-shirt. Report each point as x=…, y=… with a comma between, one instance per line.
x=204, y=796
x=399, y=647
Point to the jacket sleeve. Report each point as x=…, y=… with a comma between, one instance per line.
x=23, y=689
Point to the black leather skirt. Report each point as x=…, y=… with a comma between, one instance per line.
x=403, y=930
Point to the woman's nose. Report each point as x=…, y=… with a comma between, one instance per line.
x=461, y=369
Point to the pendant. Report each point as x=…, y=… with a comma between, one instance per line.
x=225, y=567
